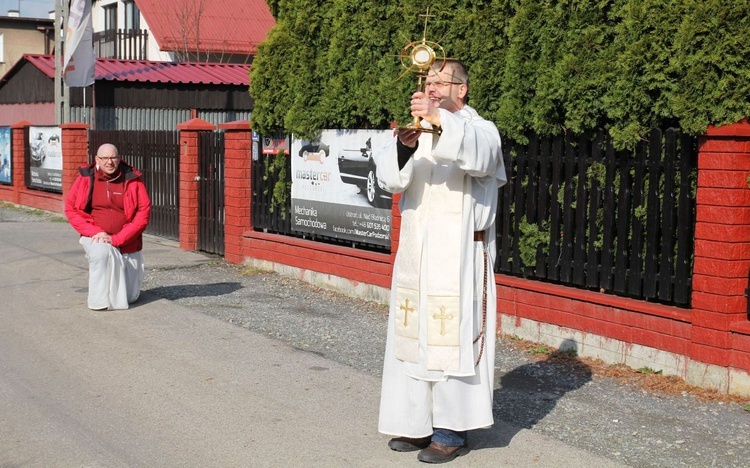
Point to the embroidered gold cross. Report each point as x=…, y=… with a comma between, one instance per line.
x=406, y=310
x=442, y=317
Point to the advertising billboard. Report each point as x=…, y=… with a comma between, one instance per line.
x=6, y=159
x=45, y=158
x=334, y=189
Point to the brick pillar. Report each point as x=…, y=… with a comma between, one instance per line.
x=17, y=154
x=189, y=149
x=19, y=150
x=722, y=241
x=75, y=148
x=237, y=191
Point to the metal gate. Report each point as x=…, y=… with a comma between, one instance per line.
x=211, y=193
x=157, y=155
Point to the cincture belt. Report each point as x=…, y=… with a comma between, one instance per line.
x=483, y=332
x=478, y=236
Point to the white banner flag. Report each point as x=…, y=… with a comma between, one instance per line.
x=78, y=65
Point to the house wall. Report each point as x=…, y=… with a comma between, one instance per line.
x=97, y=20
x=40, y=113
x=21, y=36
x=97, y=13
x=153, y=51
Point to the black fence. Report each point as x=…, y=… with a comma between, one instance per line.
x=211, y=192
x=157, y=155
x=271, y=214
x=578, y=212
x=574, y=212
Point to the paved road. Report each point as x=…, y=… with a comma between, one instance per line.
x=162, y=385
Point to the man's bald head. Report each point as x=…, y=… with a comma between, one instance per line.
x=109, y=149
x=108, y=159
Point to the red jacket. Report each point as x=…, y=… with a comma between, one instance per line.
x=136, y=203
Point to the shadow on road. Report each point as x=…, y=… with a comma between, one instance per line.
x=530, y=392
x=184, y=291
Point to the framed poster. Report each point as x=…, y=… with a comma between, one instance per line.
x=274, y=145
x=334, y=189
x=45, y=159
x=6, y=158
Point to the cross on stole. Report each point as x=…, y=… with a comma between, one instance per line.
x=442, y=317
x=406, y=310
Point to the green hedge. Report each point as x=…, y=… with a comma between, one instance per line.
x=543, y=66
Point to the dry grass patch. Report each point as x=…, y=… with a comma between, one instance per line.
x=643, y=378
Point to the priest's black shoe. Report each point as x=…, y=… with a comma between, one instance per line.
x=406, y=444
x=439, y=453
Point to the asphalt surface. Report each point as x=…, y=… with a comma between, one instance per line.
x=218, y=365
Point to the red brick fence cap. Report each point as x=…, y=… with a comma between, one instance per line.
x=236, y=125
x=741, y=129
x=196, y=124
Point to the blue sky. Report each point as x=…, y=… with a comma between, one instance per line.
x=29, y=8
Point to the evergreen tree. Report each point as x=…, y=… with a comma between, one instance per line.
x=547, y=66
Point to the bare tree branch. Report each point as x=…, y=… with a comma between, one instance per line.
x=187, y=15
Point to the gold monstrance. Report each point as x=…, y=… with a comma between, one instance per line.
x=420, y=56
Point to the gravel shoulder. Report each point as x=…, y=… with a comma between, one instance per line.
x=551, y=393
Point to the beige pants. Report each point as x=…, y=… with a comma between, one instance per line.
x=114, y=279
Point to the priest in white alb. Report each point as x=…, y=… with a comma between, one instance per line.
x=438, y=372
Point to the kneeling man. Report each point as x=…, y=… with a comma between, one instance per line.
x=110, y=208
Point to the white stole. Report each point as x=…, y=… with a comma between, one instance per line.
x=431, y=242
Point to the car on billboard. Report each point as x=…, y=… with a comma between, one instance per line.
x=38, y=150
x=357, y=167
x=314, y=152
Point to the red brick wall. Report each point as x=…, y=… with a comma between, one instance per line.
x=359, y=266
x=627, y=320
x=722, y=248
x=75, y=143
x=237, y=164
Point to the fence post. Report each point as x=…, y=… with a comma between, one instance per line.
x=189, y=154
x=75, y=149
x=237, y=165
x=17, y=166
x=722, y=252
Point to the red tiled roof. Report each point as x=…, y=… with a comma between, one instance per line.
x=229, y=27
x=155, y=72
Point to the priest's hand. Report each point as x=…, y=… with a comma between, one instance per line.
x=423, y=107
x=409, y=136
